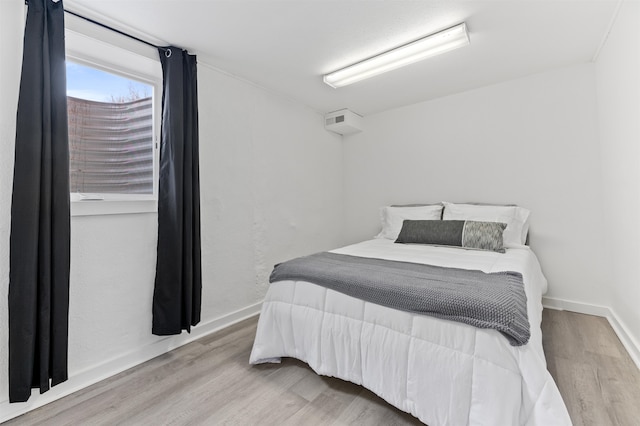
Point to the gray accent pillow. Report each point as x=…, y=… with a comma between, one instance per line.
x=455, y=233
x=438, y=232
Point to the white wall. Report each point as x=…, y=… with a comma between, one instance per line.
x=531, y=141
x=618, y=93
x=271, y=188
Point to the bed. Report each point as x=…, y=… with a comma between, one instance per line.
x=442, y=372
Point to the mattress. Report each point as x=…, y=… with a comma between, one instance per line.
x=442, y=372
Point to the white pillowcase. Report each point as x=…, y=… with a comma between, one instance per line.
x=516, y=218
x=392, y=218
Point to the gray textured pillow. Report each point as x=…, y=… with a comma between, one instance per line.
x=456, y=233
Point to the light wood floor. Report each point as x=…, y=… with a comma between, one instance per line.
x=598, y=381
x=210, y=382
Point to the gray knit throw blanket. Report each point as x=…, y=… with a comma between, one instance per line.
x=486, y=300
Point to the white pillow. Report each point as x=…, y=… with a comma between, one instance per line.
x=392, y=218
x=516, y=218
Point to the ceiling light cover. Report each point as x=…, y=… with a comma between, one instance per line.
x=434, y=44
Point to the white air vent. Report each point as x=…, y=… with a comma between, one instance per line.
x=343, y=122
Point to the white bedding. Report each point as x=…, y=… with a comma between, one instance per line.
x=443, y=372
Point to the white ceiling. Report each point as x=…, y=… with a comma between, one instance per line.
x=286, y=46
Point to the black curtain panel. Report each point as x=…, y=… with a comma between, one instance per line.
x=178, y=284
x=39, y=242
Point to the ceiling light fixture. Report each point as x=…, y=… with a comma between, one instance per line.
x=423, y=48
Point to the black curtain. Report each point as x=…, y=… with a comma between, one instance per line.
x=39, y=242
x=178, y=284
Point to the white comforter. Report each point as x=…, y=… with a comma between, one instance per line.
x=443, y=372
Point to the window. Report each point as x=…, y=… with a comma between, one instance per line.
x=110, y=132
x=113, y=100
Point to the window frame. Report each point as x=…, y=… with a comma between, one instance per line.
x=99, y=49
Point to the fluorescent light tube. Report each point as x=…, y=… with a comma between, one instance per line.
x=409, y=53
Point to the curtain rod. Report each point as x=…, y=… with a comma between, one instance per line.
x=167, y=51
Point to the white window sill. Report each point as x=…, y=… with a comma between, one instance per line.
x=104, y=207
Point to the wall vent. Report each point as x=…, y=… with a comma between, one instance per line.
x=343, y=122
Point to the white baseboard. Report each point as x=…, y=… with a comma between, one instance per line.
x=109, y=368
x=628, y=340
x=582, y=308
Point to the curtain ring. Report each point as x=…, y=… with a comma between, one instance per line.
x=167, y=53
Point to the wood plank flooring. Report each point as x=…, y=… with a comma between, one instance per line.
x=598, y=381
x=210, y=382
